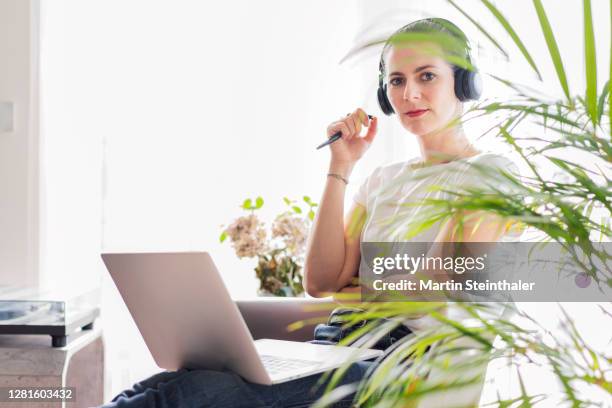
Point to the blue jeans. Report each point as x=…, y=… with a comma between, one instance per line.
x=204, y=388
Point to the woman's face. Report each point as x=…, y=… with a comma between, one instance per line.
x=420, y=87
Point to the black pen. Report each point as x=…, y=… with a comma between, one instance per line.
x=336, y=136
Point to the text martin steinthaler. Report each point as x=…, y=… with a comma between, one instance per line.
x=412, y=264
x=451, y=285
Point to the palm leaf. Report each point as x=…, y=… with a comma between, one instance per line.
x=553, y=49
x=590, y=61
x=480, y=28
x=504, y=22
x=532, y=110
x=602, y=101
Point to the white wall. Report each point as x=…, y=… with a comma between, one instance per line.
x=202, y=107
x=70, y=157
x=19, y=178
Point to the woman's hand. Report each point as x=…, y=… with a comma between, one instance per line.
x=352, y=145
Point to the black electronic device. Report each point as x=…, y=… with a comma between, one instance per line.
x=59, y=314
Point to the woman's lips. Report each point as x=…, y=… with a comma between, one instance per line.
x=416, y=113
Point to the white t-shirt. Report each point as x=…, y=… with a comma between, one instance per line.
x=393, y=194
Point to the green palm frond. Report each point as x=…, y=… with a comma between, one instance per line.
x=553, y=48
x=517, y=40
x=480, y=28
x=590, y=61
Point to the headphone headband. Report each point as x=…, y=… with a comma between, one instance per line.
x=429, y=25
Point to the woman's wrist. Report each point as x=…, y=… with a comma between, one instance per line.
x=343, y=169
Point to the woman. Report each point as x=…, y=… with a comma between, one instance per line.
x=427, y=93
x=420, y=87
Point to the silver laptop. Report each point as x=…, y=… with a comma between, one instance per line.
x=187, y=319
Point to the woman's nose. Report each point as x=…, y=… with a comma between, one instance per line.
x=411, y=91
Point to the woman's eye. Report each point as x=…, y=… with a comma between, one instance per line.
x=428, y=76
x=396, y=81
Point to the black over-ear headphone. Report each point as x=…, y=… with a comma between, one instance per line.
x=468, y=83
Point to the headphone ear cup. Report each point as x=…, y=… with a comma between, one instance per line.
x=468, y=85
x=475, y=85
x=459, y=84
x=383, y=101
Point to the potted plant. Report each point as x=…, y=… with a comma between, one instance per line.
x=279, y=254
x=453, y=357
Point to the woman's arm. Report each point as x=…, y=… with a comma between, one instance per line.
x=333, y=255
x=333, y=252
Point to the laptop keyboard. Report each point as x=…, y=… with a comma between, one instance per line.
x=275, y=365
